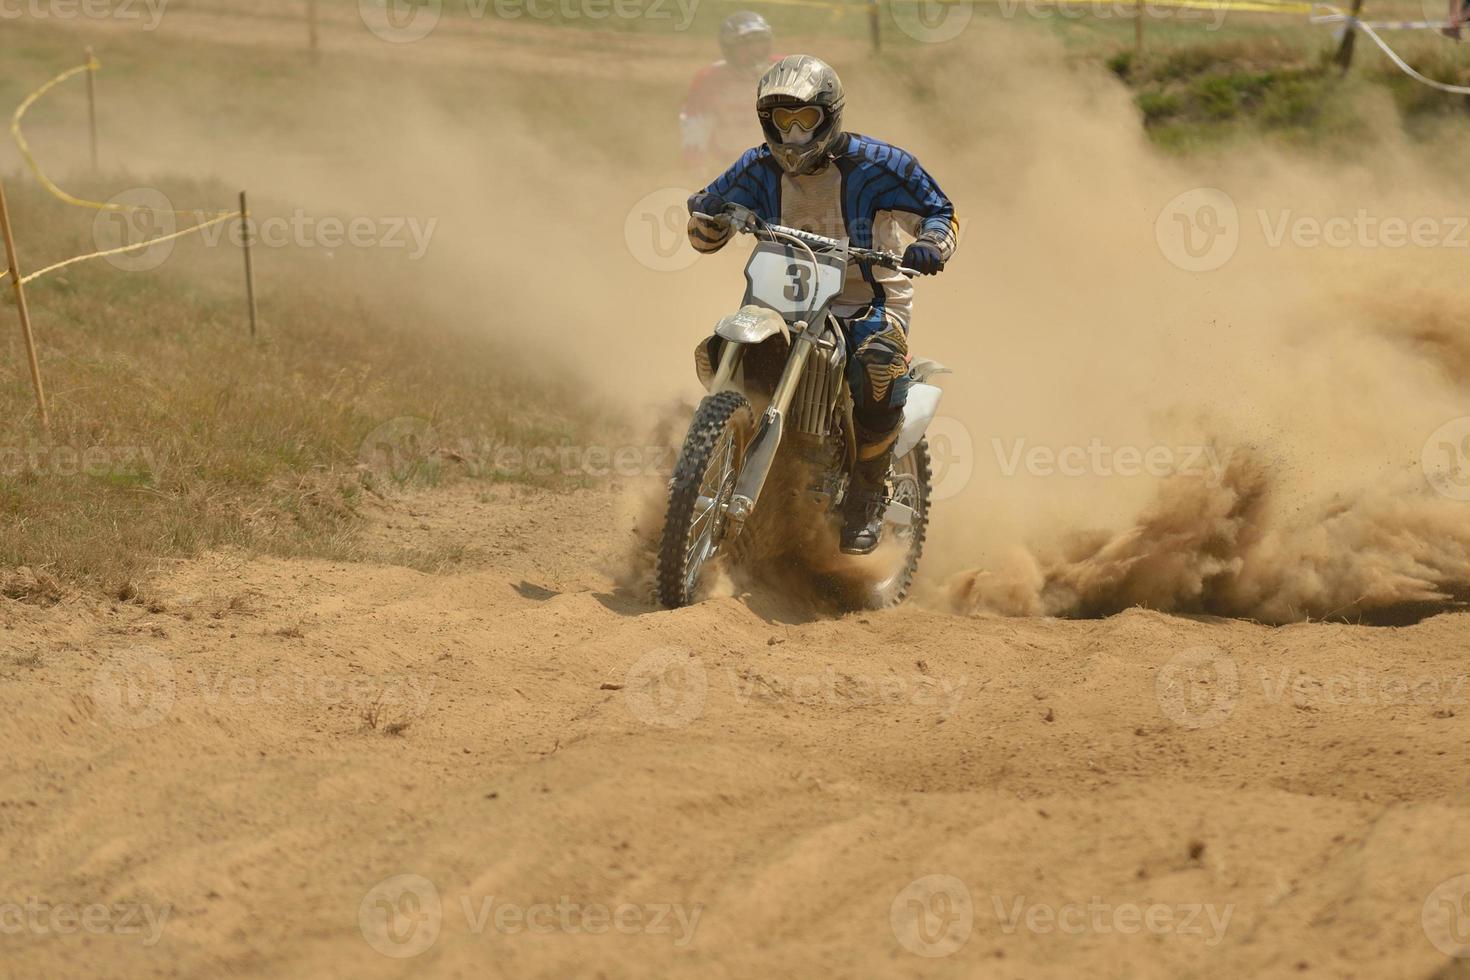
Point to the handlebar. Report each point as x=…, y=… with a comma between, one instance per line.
x=747, y=222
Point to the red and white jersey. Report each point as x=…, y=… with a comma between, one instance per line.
x=718, y=118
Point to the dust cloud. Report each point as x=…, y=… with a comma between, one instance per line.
x=1281, y=402
x=1287, y=397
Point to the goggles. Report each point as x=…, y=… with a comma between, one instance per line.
x=805, y=118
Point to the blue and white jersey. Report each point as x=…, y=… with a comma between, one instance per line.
x=875, y=194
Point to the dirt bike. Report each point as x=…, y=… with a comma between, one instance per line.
x=785, y=348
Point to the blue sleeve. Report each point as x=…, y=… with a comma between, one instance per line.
x=749, y=183
x=917, y=193
x=939, y=224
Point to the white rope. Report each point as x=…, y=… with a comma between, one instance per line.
x=1386, y=25
x=1354, y=24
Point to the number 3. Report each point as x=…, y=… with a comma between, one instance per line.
x=799, y=287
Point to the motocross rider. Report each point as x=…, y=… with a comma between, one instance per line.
x=715, y=119
x=810, y=174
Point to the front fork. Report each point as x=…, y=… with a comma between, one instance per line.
x=762, y=452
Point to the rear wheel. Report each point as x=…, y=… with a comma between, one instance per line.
x=700, y=491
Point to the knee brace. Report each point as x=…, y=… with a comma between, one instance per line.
x=878, y=373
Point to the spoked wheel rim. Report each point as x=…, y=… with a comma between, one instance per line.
x=696, y=526
x=906, y=492
x=707, y=527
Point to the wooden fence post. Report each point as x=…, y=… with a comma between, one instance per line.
x=1138, y=32
x=1350, y=34
x=249, y=264
x=92, y=104
x=13, y=262
x=313, y=38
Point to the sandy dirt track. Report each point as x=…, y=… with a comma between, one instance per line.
x=270, y=768
x=752, y=791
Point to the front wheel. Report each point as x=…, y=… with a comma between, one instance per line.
x=700, y=491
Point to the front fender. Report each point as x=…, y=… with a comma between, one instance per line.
x=752, y=324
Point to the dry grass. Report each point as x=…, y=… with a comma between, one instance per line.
x=172, y=432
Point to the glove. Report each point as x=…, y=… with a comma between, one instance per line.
x=706, y=203
x=709, y=228
x=924, y=258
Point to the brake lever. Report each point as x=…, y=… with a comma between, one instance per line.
x=737, y=217
x=890, y=261
x=741, y=217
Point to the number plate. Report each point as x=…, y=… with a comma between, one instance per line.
x=783, y=278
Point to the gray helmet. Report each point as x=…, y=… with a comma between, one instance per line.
x=799, y=102
x=739, y=29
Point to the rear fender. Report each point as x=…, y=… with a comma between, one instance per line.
x=918, y=412
x=923, y=368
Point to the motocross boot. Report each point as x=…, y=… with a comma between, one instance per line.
x=867, y=500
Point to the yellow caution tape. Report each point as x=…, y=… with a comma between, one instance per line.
x=126, y=248
x=215, y=217
x=1249, y=6
x=25, y=151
